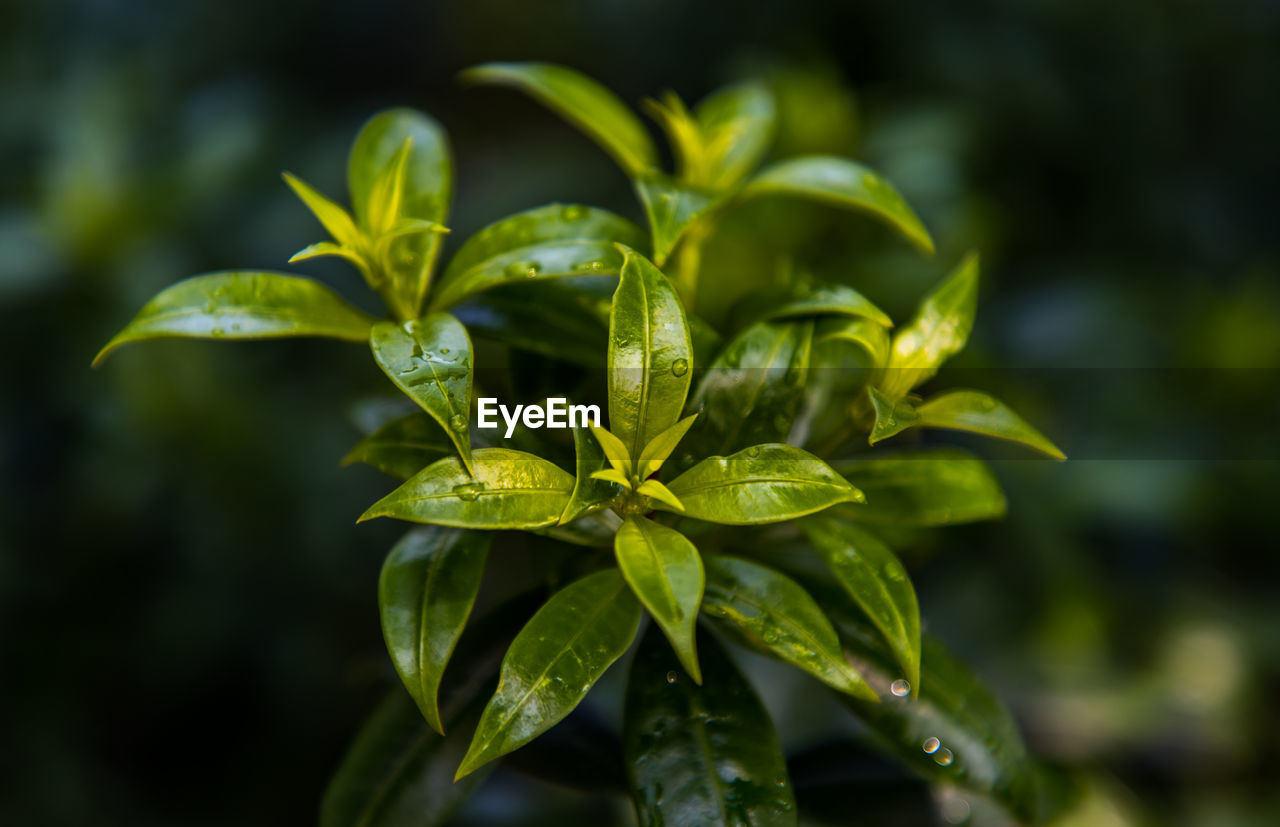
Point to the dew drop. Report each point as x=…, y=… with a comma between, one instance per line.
x=520, y=269
x=573, y=212
x=680, y=367
x=444, y=350
x=901, y=687
x=893, y=572
x=930, y=745
x=468, y=491
x=217, y=331
x=458, y=422
x=671, y=677
x=943, y=757
x=870, y=181
x=753, y=451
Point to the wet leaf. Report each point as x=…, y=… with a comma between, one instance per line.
x=507, y=490
x=979, y=413
x=553, y=663
x=842, y=183
x=761, y=484
x=672, y=208
x=665, y=572
x=893, y=416
x=430, y=360
x=772, y=614
x=243, y=304
x=938, y=331
x=736, y=124
x=403, y=446
x=704, y=755
x=520, y=314
x=661, y=446
x=428, y=584
x=926, y=487
x=588, y=492
x=864, y=333
x=581, y=101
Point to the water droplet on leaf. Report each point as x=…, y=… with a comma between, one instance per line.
x=680, y=367
x=468, y=491
x=573, y=212
x=943, y=757
x=671, y=677
x=458, y=422
x=931, y=745
x=901, y=687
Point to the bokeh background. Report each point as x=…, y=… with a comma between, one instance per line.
x=188, y=626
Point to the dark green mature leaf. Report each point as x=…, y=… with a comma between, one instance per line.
x=813, y=299
x=243, y=305
x=736, y=124
x=398, y=773
x=761, y=484
x=928, y=487
x=553, y=241
x=754, y=389
x=671, y=208
x=581, y=101
x=938, y=331
x=428, y=584
x=521, y=314
x=774, y=615
x=957, y=732
x=588, y=492
x=983, y=414
x=430, y=360
x=874, y=577
x=842, y=183
x=703, y=755
x=506, y=490
x=893, y=416
x=553, y=663
x=665, y=572
x=426, y=192
x=403, y=446
x=650, y=355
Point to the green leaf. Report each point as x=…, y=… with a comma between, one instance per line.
x=658, y=492
x=553, y=663
x=506, y=490
x=874, y=577
x=772, y=614
x=428, y=585
x=554, y=241
x=980, y=413
x=243, y=305
x=818, y=299
x=398, y=773
x=387, y=192
x=581, y=101
x=671, y=208
x=588, y=492
x=661, y=446
x=842, y=183
x=336, y=221
x=430, y=360
x=683, y=134
x=864, y=333
x=665, y=572
x=761, y=484
x=924, y=488
x=893, y=416
x=650, y=355
x=612, y=475
x=402, y=447
x=736, y=124
x=754, y=389
x=520, y=314
x=329, y=248
x=425, y=193
x=939, y=330
x=705, y=755
x=615, y=452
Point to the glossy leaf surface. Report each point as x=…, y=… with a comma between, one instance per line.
x=335, y=220
x=507, y=490
x=403, y=446
x=520, y=314
x=842, y=183
x=753, y=390
x=815, y=299
x=774, y=615
x=873, y=576
x=650, y=355
x=705, y=755
x=430, y=360
x=554, y=241
x=425, y=193
x=553, y=663
x=761, y=484
x=671, y=208
x=927, y=487
x=581, y=101
x=736, y=124
x=864, y=333
x=426, y=590
x=588, y=492
x=981, y=413
x=243, y=305
x=938, y=331
x=665, y=572
x=659, y=493
x=661, y=446
x=893, y=416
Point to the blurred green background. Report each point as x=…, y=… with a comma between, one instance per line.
x=188, y=612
